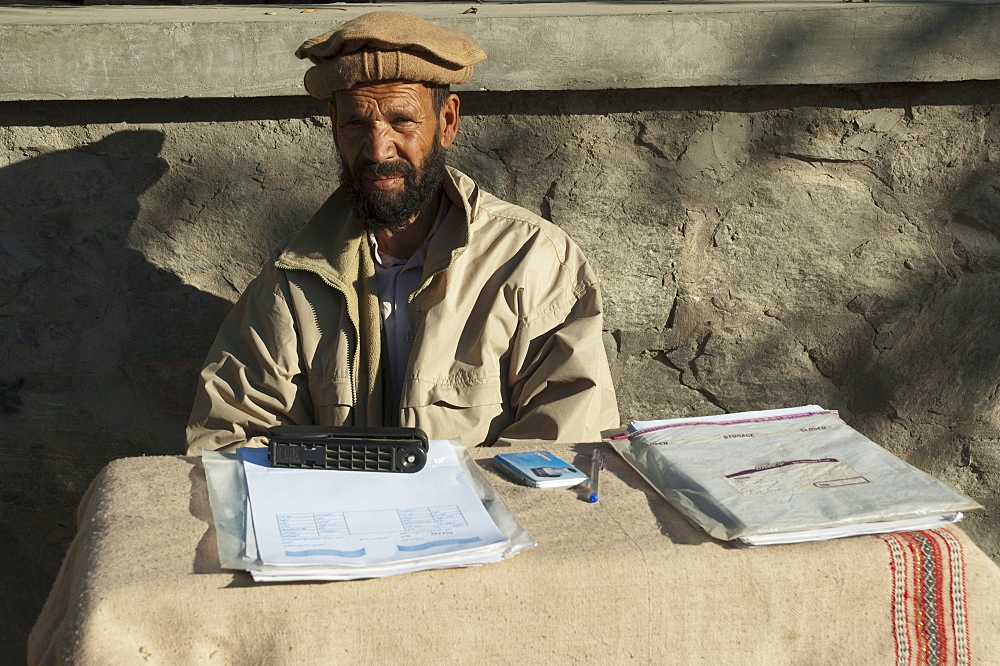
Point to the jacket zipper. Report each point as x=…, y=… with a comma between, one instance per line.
x=351, y=352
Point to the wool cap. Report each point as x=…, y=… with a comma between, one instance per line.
x=383, y=46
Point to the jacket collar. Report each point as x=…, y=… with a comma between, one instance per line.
x=453, y=236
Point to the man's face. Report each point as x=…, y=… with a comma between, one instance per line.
x=392, y=144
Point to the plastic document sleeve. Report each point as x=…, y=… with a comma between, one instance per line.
x=227, y=489
x=786, y=472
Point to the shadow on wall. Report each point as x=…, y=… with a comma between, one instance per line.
x=783, y=46
x=851, y=257
x=887, y=275
x=90, y=331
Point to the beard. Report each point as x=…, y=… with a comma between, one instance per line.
x=393, y=210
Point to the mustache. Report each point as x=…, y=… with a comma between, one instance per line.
x=397, y=167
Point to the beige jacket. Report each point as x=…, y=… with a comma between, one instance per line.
x=506, y=323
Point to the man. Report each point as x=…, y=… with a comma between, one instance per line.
x=413, y=297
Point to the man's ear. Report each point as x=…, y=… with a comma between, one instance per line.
x=331, y=108
x=448, y=120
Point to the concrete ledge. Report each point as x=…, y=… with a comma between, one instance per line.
x=86, y=53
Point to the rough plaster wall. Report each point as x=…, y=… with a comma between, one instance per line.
x=759, y=248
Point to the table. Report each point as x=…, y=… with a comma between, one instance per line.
x=626, y=579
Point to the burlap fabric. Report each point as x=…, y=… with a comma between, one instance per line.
x=626, y=579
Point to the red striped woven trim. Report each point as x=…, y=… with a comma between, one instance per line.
x=929, y=611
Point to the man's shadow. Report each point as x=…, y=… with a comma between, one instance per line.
x=100, y=348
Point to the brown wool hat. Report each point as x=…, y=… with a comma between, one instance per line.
x=382, y=46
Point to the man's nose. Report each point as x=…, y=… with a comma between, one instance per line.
x=380, y=145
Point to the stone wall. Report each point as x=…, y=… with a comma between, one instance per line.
x=759, y=247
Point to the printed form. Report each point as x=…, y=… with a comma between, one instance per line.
x=363, y=518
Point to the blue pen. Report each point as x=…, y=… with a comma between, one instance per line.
x=596, y=465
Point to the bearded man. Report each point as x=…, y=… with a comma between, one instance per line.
x=412, y=297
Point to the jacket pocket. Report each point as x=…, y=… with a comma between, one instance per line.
x=470, y=411
x=458, y=395
x=332, y=401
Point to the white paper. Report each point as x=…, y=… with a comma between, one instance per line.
x=884, y=527
x=359, y=519
x=232, y=514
